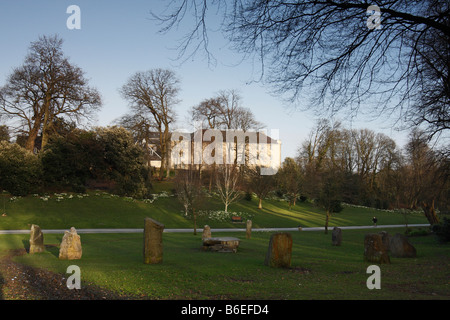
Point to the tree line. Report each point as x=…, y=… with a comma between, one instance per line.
x=333, y=166
x=47, y=98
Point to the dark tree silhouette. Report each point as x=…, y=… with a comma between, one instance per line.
x=332, y=56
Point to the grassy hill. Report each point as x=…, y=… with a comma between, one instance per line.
x=98, y=209
x=319, y=270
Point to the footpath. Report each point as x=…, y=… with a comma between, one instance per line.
x=119, y=230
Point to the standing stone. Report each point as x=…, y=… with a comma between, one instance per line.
x=70, y=248
x=206, y=232
x=36, y=239
x=386, y=238
x=336, y=236
x=374, y=250
x=249, y=229
x=400, y=247
x=153, y=249
x=280, y=250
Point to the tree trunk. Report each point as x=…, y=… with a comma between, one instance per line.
x=163, y=145
x=195, y=221
x=30, y=144
x=260, y=204
x=327, y=218
x=45, y=136
x=430, y=212
x=47, y=122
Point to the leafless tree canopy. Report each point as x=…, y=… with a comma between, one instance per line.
x=225, y=111
x=323, y=55
x=46, y=87
x=154, y=92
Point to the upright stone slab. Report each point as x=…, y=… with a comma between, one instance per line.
x=153, y=248
x=336, y=236
x=36, y=239
x=248, y=230
x=70, y=248
x=279, y=252
x=374, y=249
x=206, y=232
x=386, y=238
x=400, y=247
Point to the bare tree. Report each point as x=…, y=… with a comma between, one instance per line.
x=290, y=180
x=141, y=127
x=427, y=174
x=228, y=183
x=208, y=113
x=155, y=92
x=337, y=56
x=316, y=148
x=46, y=87
x=225, y=111
x=260, y=184
x=190, y=192
x=330, y=192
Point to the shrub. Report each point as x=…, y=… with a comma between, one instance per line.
x=67, y=161
x=303, y=198
x=442, y=230
x=415, y=233
x=105, y=154
x=20, y=170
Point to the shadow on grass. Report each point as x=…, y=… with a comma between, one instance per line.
x=53, y=249
x=26, y=245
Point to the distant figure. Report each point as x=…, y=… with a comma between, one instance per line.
x=374, y=220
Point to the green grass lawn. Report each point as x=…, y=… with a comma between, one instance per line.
x=319, y=270
x=102, y=210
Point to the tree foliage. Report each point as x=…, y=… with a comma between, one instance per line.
x=104, y=154
x=20, y=170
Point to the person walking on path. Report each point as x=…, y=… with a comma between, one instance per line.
x=374, y=220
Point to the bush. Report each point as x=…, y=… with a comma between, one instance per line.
x=106, y=154
x=20, y=170
x=303, y=198
x=279, y=194
x=442, y=230
x=415, y=233
x=124, y=162
x=67, y=161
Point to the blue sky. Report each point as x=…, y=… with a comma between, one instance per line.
x=119, y=38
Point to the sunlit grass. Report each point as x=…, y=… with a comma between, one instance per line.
x=319, y=270
x=102, y=210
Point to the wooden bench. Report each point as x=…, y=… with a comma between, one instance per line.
x=236, y=219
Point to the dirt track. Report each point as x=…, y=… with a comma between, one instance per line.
x=21, y=282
